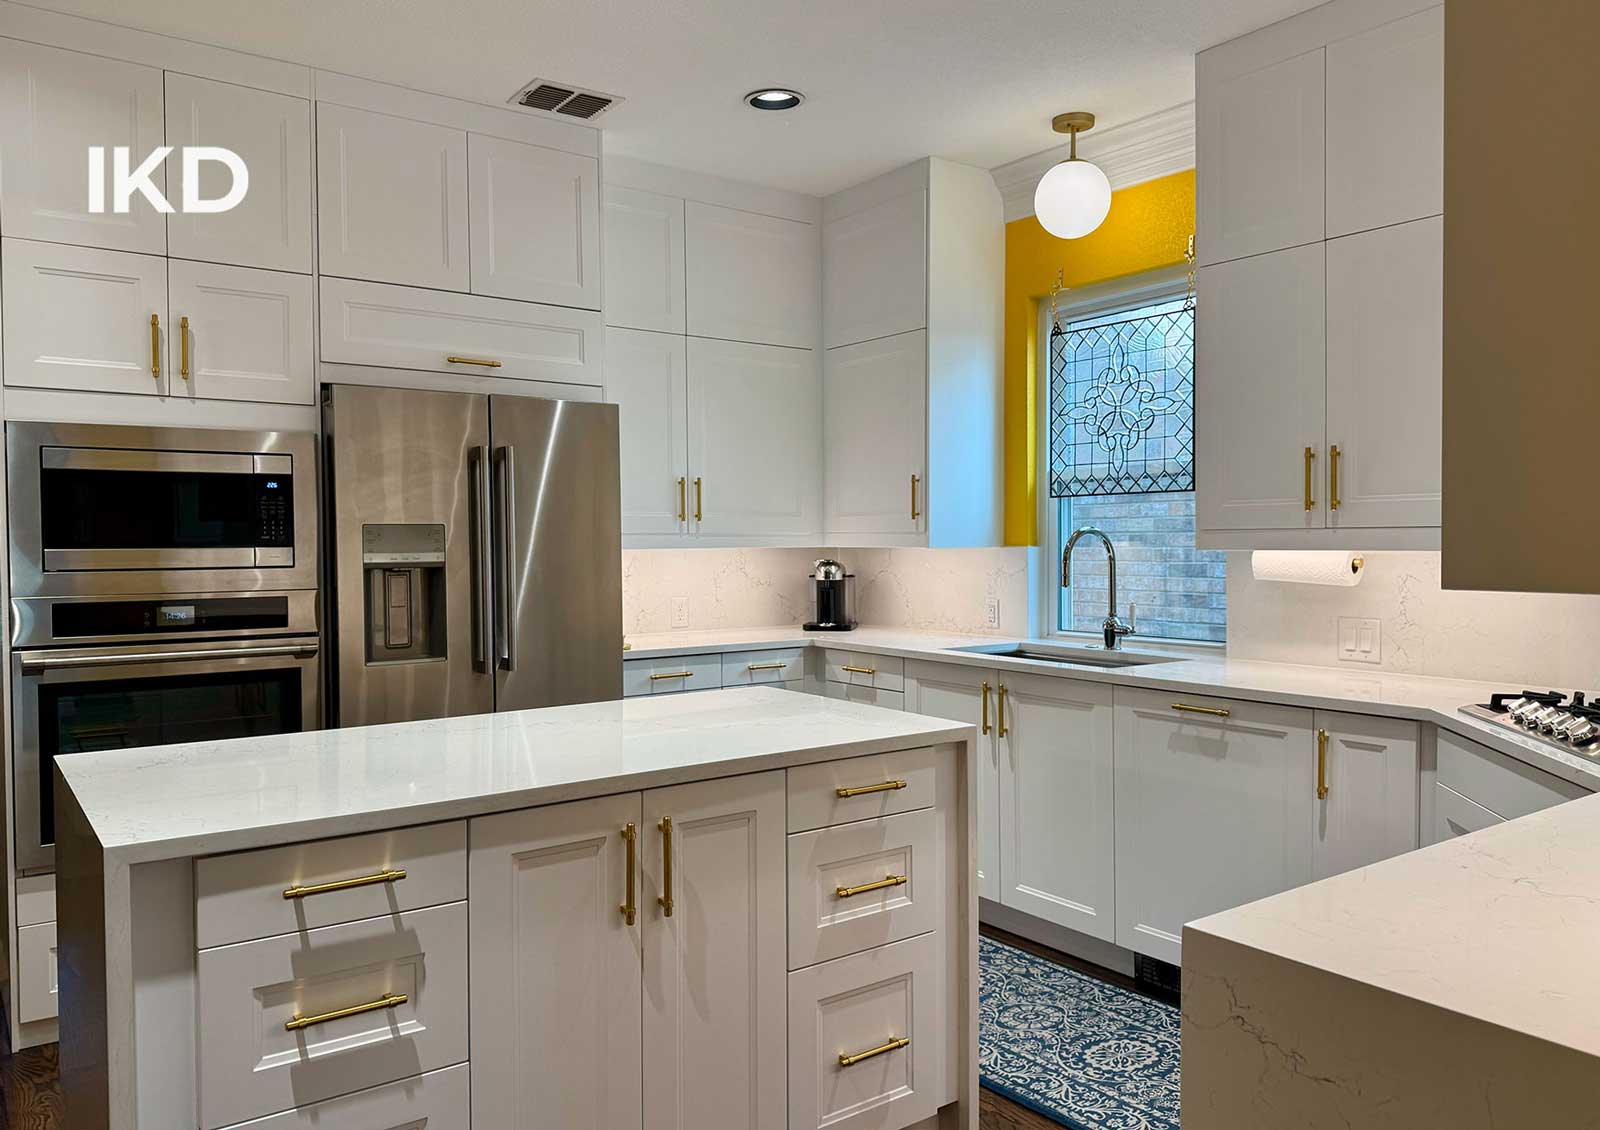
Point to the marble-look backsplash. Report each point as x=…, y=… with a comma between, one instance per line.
x=944, y=590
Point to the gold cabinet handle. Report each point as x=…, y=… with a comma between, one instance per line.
x=699, y=498
x=683, y=499
x=1311, y=457
x=666, y=867
x=871, y=1053
x=882, y=884
x=765, y=666
x=629, y=907
x=914, y=514
x=486, y=362
x=1000, y=717
x=1212, y=711
x=388, y=875
x=1322, y=765
x=860, y=670
x=672, y=675
x=155, y=346
x=1333, y=477
x=389, y=1000
x=985, y=709
x=863, y=790
x=183, y=347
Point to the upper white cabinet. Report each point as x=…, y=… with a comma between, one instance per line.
x=1367, y=774
x=239, y=334
x=644, y=260
x=271, y=133
x=392, y=199
x=750, y=277
x=647, y=378
x=54, y=105
x=874, y=271
x=534, y=222
x=874, y=454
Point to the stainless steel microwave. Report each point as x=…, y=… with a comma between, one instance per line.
x=102, y=509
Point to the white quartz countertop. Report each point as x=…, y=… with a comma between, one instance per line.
x=1415, y=697
x=167, y=802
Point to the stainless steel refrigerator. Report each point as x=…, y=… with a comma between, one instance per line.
x=474, y=550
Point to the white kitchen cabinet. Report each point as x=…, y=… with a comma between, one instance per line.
x=1365, y=782
x=38, y=973
x=391, y=199
x=866, y=696
x=874, y=271
x=1385, y=375
x=1454, y=815
x=534, y=222
x=1503, y=785
x=875, y=402
x=750, y=277
x=647, y=378
x=84, y=318
x=644, y=281
x=271, y=133
x=966, y=694
x=1385, y=151
x=1260, y=369
x=556, y=989
x=754, y=440
x=715, y=954
x=237, y=333
x=1057, y=842
x=54, y=105
x=1212, y=807
x=1259, y=155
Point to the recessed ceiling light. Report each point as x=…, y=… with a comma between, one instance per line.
x=774, y=98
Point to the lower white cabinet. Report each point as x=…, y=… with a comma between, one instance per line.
x=440, y=1099
x=670, y=674
x=751, y=668
x=964, y=694
x=1366, y=780
x=1454, y=815
x=38, y=973
x=867, y=696
x=1477, y=786
x=239, y=334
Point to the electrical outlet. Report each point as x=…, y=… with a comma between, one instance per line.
x=1360, y=640
x=991, y=611
x=680, y=612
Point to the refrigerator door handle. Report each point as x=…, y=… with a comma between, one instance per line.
x=482, y=563
x=505, y=529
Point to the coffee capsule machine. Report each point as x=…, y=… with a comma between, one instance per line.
x=835, y=593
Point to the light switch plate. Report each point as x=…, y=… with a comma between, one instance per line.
x=1360, y=639
x=680, y=612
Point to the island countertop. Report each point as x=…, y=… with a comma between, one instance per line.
x=168, y=802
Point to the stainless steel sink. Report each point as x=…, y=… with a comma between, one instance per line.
x=1067, y=656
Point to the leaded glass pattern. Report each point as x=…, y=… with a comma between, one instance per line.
x=1122, y=403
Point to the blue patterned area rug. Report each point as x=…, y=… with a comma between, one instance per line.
x=1090, y=1055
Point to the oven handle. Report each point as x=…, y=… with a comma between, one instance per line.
x=32, y=665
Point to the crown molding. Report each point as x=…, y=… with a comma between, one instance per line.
x=1154, y=146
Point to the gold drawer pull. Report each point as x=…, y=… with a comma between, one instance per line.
x=871, y=1053
x=1322, y=765
x=683, y=502
x=914, y=514
x=486, y=362
x=861, y=670
x=1333, y=477
x=183, y=346
x=882, y=884
x=155, y=346
x=672, y=675
x=1213, y=711
x=629, y=908
x=388, y=1000
x=391, y=875
x=765, y=666
x=985, y=714
x=1311, y=502
x=665, y=898
x=863, y=790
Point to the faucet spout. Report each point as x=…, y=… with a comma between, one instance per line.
x=1114, y=627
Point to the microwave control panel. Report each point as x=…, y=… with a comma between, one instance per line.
x=274, y=510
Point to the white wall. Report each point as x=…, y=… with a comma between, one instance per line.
x=942, y=590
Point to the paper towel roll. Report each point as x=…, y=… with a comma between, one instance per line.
x=1307, y=567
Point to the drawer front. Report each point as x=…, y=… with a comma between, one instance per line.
x=252, y=1065
x=866, y=696
x=671, y=675
x=439, y=1100
x=1501, y=784
x=860, y=1004
x=37, y=982
x=1454, y=815
x=36, y=899
x=862, y=669
x=741, y=668
x=865, y=884
x=401, y=327
x=814, y=800
x=241, y=897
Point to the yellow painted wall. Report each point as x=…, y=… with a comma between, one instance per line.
x=1148, y=228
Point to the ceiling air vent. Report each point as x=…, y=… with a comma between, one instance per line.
x=564, y=100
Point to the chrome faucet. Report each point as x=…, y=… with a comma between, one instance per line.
x=1114, y=626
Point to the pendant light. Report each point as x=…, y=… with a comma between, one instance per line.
x=1073, y=197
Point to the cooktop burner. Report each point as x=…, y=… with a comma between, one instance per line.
x=1568, y=722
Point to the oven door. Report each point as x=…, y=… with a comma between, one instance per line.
x=83, y=700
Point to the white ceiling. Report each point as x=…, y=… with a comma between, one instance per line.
x=887, y=81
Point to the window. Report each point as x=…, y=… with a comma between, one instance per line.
x=1118, y=453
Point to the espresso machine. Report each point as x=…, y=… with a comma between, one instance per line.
x=835, y=593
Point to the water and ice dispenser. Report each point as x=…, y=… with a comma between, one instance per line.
x=405, y=597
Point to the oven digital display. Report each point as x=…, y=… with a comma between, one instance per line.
x=175, y=614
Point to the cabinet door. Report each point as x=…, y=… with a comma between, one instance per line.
x=751, y=278
x=1211, y=811
x=875, y=271
x=1259, y=393
x=1056, y=839
x=535, y=222
x=391, y=199
x=271, y=133
x=1259, y=150
x=874, y=462
x=1386, y=375
x=754, y=442
x=53, y=106
x=240, y=334
x=80, y=318
x=1365, y=781
x=714, y=963
x=1386, y=124
x=966, y=694
x=644, y=260
x=556, y=966
x=647, y=378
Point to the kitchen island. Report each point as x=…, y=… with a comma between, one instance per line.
x=746, y=908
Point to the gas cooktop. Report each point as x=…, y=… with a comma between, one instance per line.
x=1566, y=722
